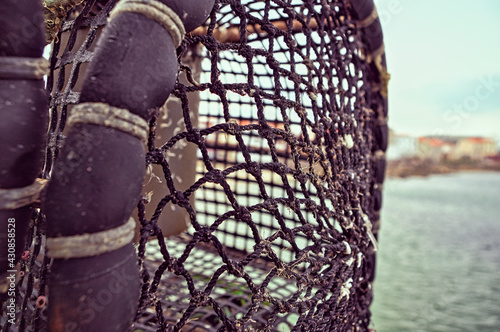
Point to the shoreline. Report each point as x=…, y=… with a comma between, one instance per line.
x=422, y=168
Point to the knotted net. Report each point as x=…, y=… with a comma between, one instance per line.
x=284, y=105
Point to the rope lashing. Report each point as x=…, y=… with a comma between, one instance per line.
x=109, y=116
x=12, y=67
x=15, y=198
x=88, y=245
x=156, y=11
x=372, y=21
x=367, y=21
x=376, y=57
x=384, y=75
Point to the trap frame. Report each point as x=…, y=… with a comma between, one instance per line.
x=288, y=120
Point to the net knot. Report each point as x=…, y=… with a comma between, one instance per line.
x=273, y=63
x=264, y=247
x=214, y=176
x=310, y=205
x=283, y=306
x=175, y=265
x=238, y=8
x=211, y=43
x=260, y=295
x=217, y=88
x=254, y=169
x=154, y=156
x=236, y=269
x=203, y=234
x=244, y=215
x=265, y=130
x=321, y=129
x=270, y=205
x=200, y=299
x=232, y=127
x=148, y=228
x=180, y=199
x=245, y=51
x=308, y=229
x=303, y=306
x=270, y=29
x=194, y=136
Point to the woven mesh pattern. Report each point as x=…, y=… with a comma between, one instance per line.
x=278, y=238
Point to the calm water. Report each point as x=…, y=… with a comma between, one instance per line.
x=439, y=259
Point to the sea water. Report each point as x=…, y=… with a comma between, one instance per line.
x=438, y=266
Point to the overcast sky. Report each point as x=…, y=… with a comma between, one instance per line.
x=444, y=58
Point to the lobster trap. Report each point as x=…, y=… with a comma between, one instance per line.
x=260, y=202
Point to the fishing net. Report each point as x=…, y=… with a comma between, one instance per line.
x=284, y=104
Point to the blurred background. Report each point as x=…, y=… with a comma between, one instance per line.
x=438, y=266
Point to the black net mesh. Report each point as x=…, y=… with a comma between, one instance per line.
x=283, y=127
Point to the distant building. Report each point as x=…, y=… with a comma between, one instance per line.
x=435, y=148
x=475, y=148
x=456, y=148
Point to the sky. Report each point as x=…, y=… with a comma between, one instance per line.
x=444, y=61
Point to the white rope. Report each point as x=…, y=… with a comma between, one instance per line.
x=369, y=19
x=88, y=245
x=156, y=11
x=12, y=67
x=109, y=116
x=15, y=198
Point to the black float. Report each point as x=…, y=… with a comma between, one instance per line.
x=23, y=105
x=97, y=180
